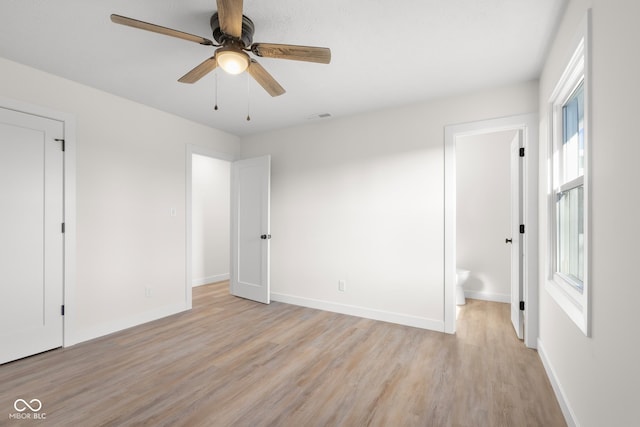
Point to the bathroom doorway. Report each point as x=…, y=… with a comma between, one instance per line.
x=526, y=125
x=483, y=221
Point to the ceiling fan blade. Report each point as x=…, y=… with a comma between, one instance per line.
x=123, y=20
x=320, y=55
x=265, y=79
x=207, y=66
x=230, y=16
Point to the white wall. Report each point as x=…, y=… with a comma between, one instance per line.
x=130, y=173
x=211, y=197
x=361, y=199
x=599, y=375
x=483, y=213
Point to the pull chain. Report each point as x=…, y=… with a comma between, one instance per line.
x=248, y=97
x=216, y=92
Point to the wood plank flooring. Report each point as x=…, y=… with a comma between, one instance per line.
x=233, y=362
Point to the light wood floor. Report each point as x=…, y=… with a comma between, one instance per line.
x=232, y=362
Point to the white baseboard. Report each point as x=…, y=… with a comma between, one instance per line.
x=210, y=279
x=569, y=416
x=368, y=313
x=119, y=324
x=487, y=296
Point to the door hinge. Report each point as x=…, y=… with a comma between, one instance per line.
x=60, y=140
x=63, y=227
x=62, y=309
x=521, y=228
x=521, y=305
x=521, y=151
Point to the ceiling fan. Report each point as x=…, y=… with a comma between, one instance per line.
x=233, y=33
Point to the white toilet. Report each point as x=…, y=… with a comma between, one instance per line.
x=461, y=277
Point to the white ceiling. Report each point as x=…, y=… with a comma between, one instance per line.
x=384, y=53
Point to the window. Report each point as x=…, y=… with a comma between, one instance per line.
x=568, y=204
x=569, y=192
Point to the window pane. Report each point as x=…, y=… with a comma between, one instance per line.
x=573, y=136
x=571, y=234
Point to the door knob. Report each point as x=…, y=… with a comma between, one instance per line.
x=508, y=240
x=265, y=236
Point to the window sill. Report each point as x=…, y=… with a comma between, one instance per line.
x=570, y=300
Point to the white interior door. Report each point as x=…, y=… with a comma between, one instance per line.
x=517, y=253
x=250, y=232
x=31, y=217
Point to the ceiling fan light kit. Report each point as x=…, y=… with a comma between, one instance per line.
x=233, y=33
x=231, y=60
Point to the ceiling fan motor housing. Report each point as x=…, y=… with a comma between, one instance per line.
x=247, y=31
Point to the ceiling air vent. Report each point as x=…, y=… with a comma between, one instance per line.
x=319, y=116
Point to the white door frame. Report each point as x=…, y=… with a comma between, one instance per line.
x=202, y=151
x=528, y=124
x=69, y=189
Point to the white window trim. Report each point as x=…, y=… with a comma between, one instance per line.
x=561, y=287
x=574, y=183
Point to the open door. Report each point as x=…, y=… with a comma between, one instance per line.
x=250, y=230
x=517, y=237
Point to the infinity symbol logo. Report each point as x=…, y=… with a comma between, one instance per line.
x=21, y=405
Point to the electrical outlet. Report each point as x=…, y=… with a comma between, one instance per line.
x=341, y=285
x=148, y=292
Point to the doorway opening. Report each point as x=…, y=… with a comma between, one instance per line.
x=249, y=230
x=210, y=221
x=483, y=197
x=526, y=127
x=207, y=210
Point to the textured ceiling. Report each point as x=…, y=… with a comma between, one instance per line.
x=384, y=53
